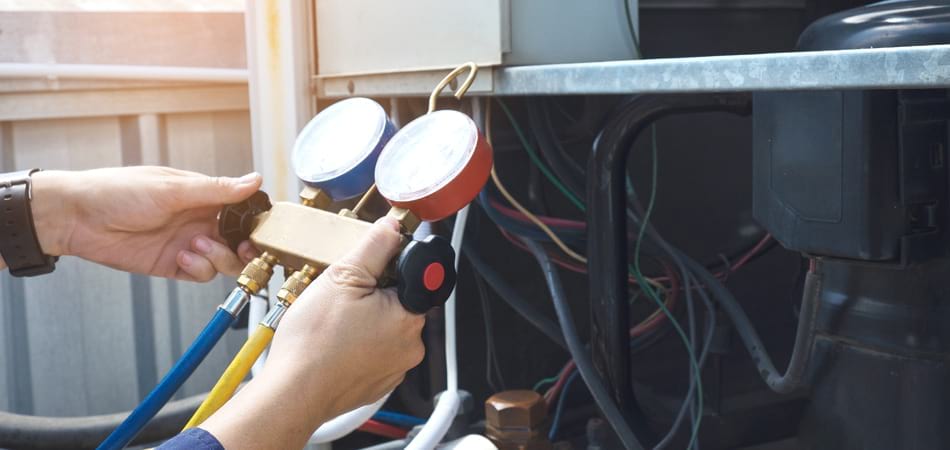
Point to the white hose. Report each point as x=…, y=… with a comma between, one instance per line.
x=344, y=424
x=448, y=405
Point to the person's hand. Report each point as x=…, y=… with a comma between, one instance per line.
x=344, y=343
x=149, y=220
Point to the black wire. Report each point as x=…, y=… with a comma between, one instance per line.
x=582, y=358
x=794, y=376
x=491, y=357
x=743, y=249
x=569, y=174
x=536, y=191
x=510, y=296
x=623, y=137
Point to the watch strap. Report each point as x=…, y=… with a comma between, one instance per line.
x=19, y=245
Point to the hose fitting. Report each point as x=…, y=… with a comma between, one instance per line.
x=272, y=319
x=257, y=273
x=295, y=284
x=235, y=302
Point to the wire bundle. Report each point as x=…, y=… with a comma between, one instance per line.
x=681, y=274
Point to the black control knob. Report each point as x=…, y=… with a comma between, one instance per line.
x=235, y=221
x=426, y=271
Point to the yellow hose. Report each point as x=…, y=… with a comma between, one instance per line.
x=233, y=375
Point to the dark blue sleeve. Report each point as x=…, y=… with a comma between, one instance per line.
x=192, y=439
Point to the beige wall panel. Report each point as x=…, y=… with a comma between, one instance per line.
x=214, y=144
x=80, y=331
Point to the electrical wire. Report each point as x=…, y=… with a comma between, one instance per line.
x=565, y=169
x=524, y=211
x=580, y=356
x=537, y=386
x=381, y=429
x=509, y=295
x=691, y=285
x=491, y=357
x=556, y=420
x=576, y=201
x=550, y=221
x=183, y=368
x=688, y=342
x=794, y=376
x=554, y=237
x=520, y=224
x=555, y=390
x=398, y=419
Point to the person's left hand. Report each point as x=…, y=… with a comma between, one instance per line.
x=149, y=220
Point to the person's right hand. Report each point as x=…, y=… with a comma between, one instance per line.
x=344, y=343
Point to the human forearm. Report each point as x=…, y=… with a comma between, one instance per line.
x=150, y=220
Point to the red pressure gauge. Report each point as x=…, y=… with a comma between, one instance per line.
x=435, y=165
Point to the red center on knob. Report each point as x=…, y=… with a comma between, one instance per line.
x=433, y=276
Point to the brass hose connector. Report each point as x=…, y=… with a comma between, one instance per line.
x=257, y=273
x=295, y=284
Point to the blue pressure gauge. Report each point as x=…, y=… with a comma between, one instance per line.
x=337, y=150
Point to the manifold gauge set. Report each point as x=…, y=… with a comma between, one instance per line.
x=426, y=171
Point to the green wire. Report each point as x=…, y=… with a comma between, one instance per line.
x=653, y=295
x=537, y=161
x=543, y=382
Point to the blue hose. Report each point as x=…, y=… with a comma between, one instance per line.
x=398, y=419
x=172, y=381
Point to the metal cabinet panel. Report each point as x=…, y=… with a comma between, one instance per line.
x=368, y=36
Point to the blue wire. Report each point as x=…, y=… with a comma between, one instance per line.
x=173, y=380
x=560, y=406
x=398, y=419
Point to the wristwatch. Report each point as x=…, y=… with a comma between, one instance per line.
x=19, y=245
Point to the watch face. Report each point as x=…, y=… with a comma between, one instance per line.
x=338, y=139
x=426, y=155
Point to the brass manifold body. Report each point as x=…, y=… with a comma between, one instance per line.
x=298, y=235
x=305, y=238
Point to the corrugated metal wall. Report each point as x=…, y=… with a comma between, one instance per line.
x=88, y=339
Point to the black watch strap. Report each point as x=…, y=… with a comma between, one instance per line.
x=19, y=245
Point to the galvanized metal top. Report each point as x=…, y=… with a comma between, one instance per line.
x=881, y=68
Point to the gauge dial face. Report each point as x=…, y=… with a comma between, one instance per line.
x=426, y=155
x=338, y=139
x=435, y=166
